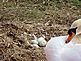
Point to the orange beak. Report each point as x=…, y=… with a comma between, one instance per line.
x=70, y=37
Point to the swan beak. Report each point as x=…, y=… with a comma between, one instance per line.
x=70, y=37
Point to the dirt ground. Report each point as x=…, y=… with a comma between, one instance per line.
x=16, y=28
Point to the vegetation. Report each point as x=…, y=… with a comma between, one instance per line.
x=32, y=9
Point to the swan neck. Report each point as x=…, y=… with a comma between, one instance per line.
x=78, y=38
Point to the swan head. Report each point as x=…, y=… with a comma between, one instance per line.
x=75, y=29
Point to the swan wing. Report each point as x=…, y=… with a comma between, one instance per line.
x=71, y=54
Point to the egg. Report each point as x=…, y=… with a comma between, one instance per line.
x=35, y=46
x=41, y=41
x=34, y=41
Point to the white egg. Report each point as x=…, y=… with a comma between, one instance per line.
x=41, y=41
x=34, y=41
x=35, y=46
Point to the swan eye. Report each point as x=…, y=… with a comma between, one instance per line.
x=72, y=30
x=70, y=33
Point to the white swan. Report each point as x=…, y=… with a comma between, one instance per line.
x=66, y=48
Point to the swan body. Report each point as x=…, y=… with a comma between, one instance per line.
x=57, y=50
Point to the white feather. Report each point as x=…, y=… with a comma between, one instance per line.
x=57, y=50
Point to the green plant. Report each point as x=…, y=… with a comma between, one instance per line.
x=76, y=2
